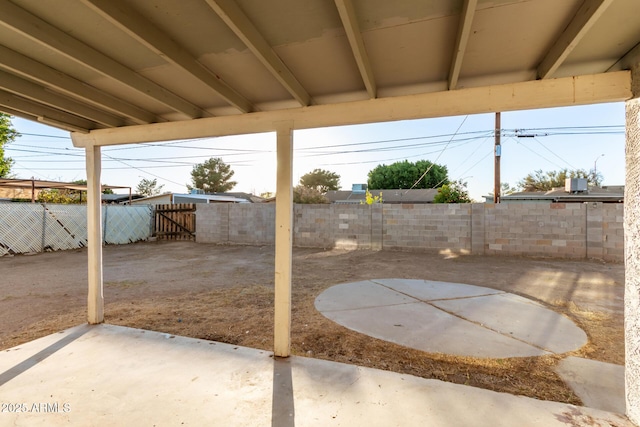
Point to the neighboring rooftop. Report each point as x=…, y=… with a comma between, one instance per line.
x=605, y=194
x=169, y=198
x=119, y=198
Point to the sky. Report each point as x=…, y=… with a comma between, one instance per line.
x=571, y=137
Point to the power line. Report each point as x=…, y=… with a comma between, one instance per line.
x=540, y=155
x=384, y=141
x=393, y=148
x=148, y=173
x=443, y=150
x=549, y=150
x=471, y=154
x=476, y=163
x=44, y=135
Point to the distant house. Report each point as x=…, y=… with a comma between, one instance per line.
x=10, y=194
x=172, y=198
x=118, y=199
x=576, y=192
x=358, y=194
x=251, y=198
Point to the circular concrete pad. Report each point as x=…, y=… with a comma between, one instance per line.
x=450, y=318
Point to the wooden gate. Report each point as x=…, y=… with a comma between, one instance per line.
x=175, y=222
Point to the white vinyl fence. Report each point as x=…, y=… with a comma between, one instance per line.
x=26, y=228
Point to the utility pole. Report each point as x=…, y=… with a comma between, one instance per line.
x=497, y=152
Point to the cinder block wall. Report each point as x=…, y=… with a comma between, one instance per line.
x=550, y=229
x=563, y=230
x=426, y=226
x=212, y=222
x=251, y=223
x=313, y=226
x=613, y=232
x=341, y=226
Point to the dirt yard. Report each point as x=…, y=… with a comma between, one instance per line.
x=225, y=293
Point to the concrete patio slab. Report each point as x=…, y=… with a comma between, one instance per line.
x=519, y=318
x=450, y=318
x=427, y=290
x=349, y=297
x=598, y=384
x=427, y=328
x=114, y=376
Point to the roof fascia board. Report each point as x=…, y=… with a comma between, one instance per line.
x=578, y=90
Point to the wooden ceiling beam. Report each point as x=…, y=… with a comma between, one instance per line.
x=352, y=28
x=10, y=102
x=464, y=31
x=45, y=34
x=630, y=59
x=137, y=26
x=585, y=18
x=19, y=64
x=243, y=28
x=35, y=92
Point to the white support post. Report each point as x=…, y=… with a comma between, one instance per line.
x=284, y=240
x=95, y=300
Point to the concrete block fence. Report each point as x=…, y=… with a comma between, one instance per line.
x=562, y=230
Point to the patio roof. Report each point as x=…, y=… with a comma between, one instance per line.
x=95, y=64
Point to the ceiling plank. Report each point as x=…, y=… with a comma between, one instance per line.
x=464, y=31
x=352, y=28
x=585, y=18
x=19, y=64
x=244, y=29
x=18, y=19
x=12, y=102
x=577, y=90
x=630, y=59
x=39, y=94
x=138, y=27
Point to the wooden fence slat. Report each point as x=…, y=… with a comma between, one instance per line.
x=175, y=222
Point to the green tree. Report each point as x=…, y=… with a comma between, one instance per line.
x=7, y=135
x=321, y=180
x=84, y=182
x=455, y=192
x=267, y=195
x=59, y=196
x=505, y=189
x=306, y=195
x=405, y=174
x=545, y=181
x=212, y=176
x=149, y=187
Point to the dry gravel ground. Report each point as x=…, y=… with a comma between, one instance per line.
x=225, y=293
